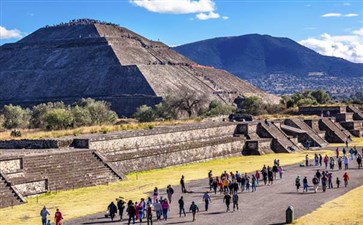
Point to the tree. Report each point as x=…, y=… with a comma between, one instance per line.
x=252, y=105
x=217, y=108
x=144, y=113
x=40, y=111
x=81, y=116
x=321, y=97
x=59, y=118
x=99, y=110
x=16, y=117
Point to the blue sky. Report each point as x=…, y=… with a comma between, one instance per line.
x=329, y=27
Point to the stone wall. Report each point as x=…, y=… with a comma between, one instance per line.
x=32, y=188
x=180, y=157
x=11, y=165
x=257, y=147
x=155, y=138
x=317, y=110
x=36, y=143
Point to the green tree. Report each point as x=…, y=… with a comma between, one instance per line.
x=144, y=113
x=59, y=118
x=40, y=111
x=217, y=108
x=321, y=96
x=252, y=105
x=100, y=111
x=81, y=116
x=16, y=117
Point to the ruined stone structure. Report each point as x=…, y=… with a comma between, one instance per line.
x=29, y=167
x=107, y=62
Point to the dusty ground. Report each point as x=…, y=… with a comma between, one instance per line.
x=266, y=206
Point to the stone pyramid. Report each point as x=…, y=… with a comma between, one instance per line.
x=88, y=58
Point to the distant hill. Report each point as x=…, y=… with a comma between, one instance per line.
x=249, y=55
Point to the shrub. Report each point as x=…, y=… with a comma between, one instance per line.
x=58, y=119
x=39, y=112
x=16, y=117
x=100, y=111
x=81, y=116
x=144, y=113
x=217, y=108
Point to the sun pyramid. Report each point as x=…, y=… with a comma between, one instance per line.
x=88, y=58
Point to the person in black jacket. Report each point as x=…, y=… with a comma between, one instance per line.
x=120, y=207
x=131, y=210
x=112, y=210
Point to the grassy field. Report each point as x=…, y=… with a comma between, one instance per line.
x=356, y=142
x=85, y=201
x=347, y=209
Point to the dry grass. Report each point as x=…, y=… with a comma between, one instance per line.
x=90, y=200
x=129, y=125
x=347, y=209
x=356, y=142
x=284, y=116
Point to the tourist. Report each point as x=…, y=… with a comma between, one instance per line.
x=235, y=201
x=323, y=182
x=346, y=162
x=351, y=152
x=337, y=152
x=155, y=194
x=297, y=183
x=280, y=171
x=326, y=160
x=264, y=174
x=345, y=178
x=112, y=210
x=165, y=207
x=210, y=179
x=137, y=208
x=149, y=214
x=315, y=183
x=275, y=170
x=330, y=180
x=305, y=184
x=120, y=206
x=307, y=160
x=344, y=151
x=49, y=223
x=194, y=209
x=207, y=200
x=227, y=200
x=316, y=159
x=169, y=192
x=181, y=206
x=318, y=175
x=158, y=209
x=141, y=209
x=331, y=163
x=215, y=186
x=338, y=182
x=359, y=160
x=131, y=211
x=44, y=213
x=58, y=217
x=270, y=176
x=320, y=160
x=340, y=161
x=257, y=175
x=254, y=183
x=182, y=184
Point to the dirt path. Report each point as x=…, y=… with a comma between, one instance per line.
x=266, y=206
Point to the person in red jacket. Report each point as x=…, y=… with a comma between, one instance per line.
x=346, y=178
x=58, y=217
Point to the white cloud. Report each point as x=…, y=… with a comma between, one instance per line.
x=349, y=47
x=332, y=15
x=346, y=4
x=351, y=15
x=8, y=34
x=207, y=16
x=205, y=9
x=225, y=17
x=339, y=15
x=176, y=6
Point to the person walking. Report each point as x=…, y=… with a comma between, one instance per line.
x=149, y=214
x=270, y=176
x=235, y=201
x=320, y=160
x=346, y=179
x=359, y=161
x=194, y=209
x=227, y=200
x=315, y=183
x=215, y=186
x=338, y=182
x=337, y=152
x=331, y=163
x=323, y=182
x=44, y=213
x=281, y=171
x=297, y=183
x=340, y=161
x=307, y=160
x=346, y=162
x=58, y=217
x=207, y=200
x=181, y=206
x=112, y=210
x=254, y=183
x=326, y=160
x=305, y=184
x=155, y=194
x=182, y=184
x=170, y=192
x=120, y=207
x=165, y=206
x=330, y=180
x=258, y=176
x=158, y=209
x=131, y=211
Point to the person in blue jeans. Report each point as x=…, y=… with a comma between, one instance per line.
x=44, y=214
x=305, y=184
x=181, y=206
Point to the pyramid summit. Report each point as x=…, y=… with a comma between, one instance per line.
x=89, y=58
